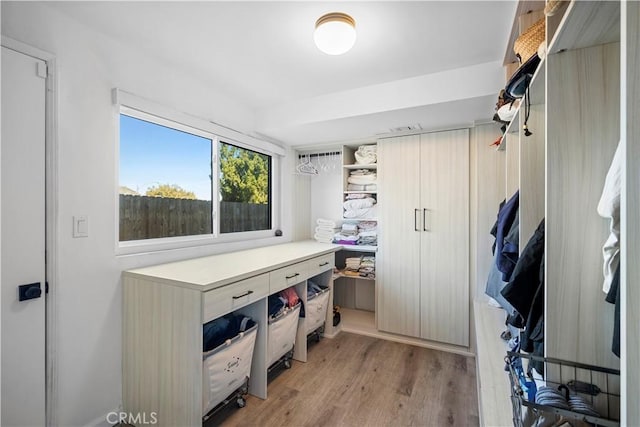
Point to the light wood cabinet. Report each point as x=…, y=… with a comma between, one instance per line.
x=398, y=271
x=166, y=306
x=423, y=273
x=444, y=249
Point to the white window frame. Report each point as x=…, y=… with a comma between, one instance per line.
x=131, y=105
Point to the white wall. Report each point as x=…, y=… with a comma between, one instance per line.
x=326, y=197
x=87, y=288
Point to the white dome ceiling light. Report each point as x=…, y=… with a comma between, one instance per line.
x=335, y=33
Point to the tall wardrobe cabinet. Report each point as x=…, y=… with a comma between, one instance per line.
x=423, y=273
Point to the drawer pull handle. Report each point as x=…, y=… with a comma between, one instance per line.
x=323, y=264
x=243, y=295
x=291, y=277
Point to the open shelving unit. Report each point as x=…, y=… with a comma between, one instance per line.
x=575, y=120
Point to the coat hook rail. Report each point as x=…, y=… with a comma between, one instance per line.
x=330, y=153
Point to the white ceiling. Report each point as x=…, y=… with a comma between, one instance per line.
x=433, y=63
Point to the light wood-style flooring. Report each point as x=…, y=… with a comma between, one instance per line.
x=354, y=380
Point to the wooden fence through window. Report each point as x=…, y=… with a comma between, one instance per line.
x=144, y=217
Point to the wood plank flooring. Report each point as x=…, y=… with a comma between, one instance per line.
x=354, y=380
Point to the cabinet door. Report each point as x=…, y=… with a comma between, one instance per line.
x=397, y=266
x=444, y=250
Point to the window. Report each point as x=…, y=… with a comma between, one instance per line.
x=245, y=189
x=166, y=182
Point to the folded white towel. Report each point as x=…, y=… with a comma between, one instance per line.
x=326, y=232
x=355, y=187
x=359, y=203
x=362, y=180
x=361, y=213
x=329, y=223
x=356, y=196
x=362, y=172
x=323, y=239
x=349, y=226
x=370, y=187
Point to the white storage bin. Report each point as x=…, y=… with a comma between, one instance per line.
x=316, y=310
x=282, y=333
x=226, y=368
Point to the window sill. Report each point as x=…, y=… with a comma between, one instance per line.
x=244, y=239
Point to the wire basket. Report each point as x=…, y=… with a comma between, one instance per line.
x=596, y=386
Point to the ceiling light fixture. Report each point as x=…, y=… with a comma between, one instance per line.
x=335, y=33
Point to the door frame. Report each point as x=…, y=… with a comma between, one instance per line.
x=51, y=220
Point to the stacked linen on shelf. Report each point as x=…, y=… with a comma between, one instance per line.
x=352, y=264
x=363, y=266
x=366, y=154
x=348, y=234
x=359, y=207
x=368, y=267
x=362, y=180
x=325, y=230
x=368, y=233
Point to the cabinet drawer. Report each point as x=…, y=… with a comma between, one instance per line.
x=322, y=263
x=218, y=302
x=284, y=277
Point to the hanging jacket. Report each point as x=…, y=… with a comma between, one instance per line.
x=526, y=279
x=525, y=292
x=506, y=217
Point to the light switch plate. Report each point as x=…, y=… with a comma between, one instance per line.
x=81, y=226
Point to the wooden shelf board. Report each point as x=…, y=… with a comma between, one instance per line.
x=537, y=86
x=358, y=192
x=363, y=322
x=587, y=23
x=342, y=274
x=494, y=388
x=358, y=321
x=359, y=248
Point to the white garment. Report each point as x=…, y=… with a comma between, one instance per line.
x=609, y=207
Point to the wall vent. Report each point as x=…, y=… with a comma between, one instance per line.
x=406, y=128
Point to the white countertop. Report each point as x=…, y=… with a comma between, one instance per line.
x=214, y=271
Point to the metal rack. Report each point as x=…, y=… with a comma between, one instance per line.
x=599, y=386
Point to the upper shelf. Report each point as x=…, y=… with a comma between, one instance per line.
x=587, y=23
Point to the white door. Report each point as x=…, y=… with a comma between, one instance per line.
x=22, y=243
x=444, y=249
x=398, y=263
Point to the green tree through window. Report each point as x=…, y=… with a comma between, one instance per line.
x=244, y=175
x=172, y=191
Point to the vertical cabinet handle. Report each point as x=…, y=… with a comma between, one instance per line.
x=415, y=219
x=424, y=220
